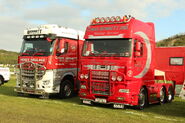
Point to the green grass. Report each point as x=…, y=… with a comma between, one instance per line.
x=16, y=109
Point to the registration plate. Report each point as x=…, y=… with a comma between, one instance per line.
x=100, y=100
x=119, y=106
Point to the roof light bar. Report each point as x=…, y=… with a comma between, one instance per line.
x=111, y=20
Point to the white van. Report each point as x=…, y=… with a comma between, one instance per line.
x=4, y=75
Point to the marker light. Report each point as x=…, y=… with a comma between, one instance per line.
x=41, y=36
x=107, y=19
x=102, y=20
x=118, y=18
x=113, y=19
x=32, y=36
x=97, y=20
x=28, y=36
x=93, y=21
x=125, y=18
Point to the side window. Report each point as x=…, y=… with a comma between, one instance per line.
x=176, y=61
x=66, y=47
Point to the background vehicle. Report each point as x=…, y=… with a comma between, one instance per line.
x=48, y=61
x=4, y=75
x=118, y=64
x=171, y=60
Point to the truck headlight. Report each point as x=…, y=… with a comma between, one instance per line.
x=86, y=76
x=119, y=78
x=113, y=78
x=82, y=76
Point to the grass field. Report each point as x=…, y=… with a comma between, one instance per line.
x=16, y=109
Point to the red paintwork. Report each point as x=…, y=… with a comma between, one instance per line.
x=173, y=72
x=135, y=64
x=58, y=62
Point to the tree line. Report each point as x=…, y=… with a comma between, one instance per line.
x=8, y=57
x=176, y=40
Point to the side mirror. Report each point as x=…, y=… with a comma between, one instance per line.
x=138, y=46
x=137, y=53
x=60, y=48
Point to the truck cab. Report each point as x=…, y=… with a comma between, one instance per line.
x=117, y=64
x=48, y=61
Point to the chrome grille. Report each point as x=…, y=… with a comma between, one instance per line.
x=100, y=82
x=100, y=75
x=31, y=72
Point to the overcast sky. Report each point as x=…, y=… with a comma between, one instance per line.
x=17, y=15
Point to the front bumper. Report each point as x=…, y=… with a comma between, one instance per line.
x=30, y=91
x=125, y=99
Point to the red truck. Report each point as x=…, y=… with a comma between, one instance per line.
x=49, y=61
x=171, y=60
x=118, y=64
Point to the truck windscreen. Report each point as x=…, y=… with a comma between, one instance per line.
x=36, y=47
x=107, y=47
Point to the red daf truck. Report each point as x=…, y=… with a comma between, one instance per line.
x=48, y=61
x=118, y=64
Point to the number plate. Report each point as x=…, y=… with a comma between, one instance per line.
x=100, y=100
x=86, y=102
x=118, y=106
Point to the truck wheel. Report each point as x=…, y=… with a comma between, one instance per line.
x=1, y=81
x=142, y=101
x=162, y=99
x=66, y=89
x=170, y=94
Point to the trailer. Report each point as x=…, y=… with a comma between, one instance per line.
x=118, y=64
x=171, y=60
x=49, y=61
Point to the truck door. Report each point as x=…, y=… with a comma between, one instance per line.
x=61, y=53
x=139, y=56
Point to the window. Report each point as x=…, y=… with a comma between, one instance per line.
x=107, y=47
x=36, y=47
x=66, y=47
x=176, y=60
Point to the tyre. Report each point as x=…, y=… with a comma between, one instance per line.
x=162, y=98
x=66, y=89
x=170, y=94
x=1, y=81
x=142, y=101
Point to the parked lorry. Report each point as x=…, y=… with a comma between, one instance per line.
x=4, y=75
x=118, y=64
x=48, y=61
